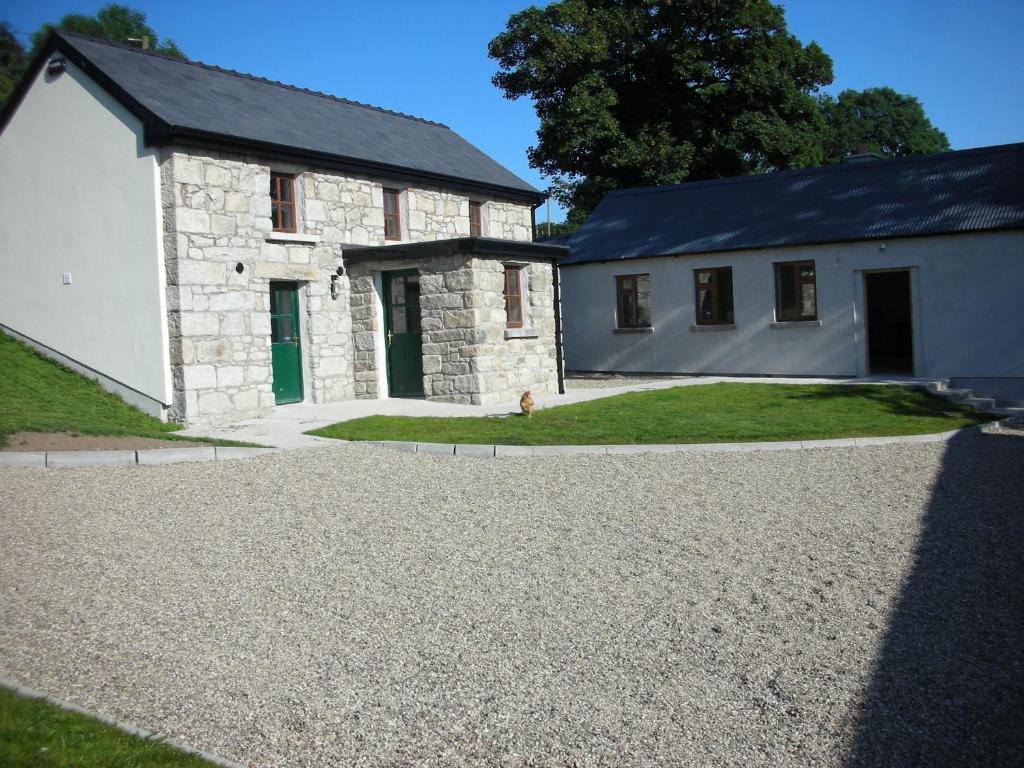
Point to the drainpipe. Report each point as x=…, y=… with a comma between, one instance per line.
x=557, y=301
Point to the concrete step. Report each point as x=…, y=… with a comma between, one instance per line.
x=956, y=394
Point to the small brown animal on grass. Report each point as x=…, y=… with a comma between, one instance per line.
x=526, y=404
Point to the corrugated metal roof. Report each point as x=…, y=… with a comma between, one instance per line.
x=200, y=97
x=964, y=191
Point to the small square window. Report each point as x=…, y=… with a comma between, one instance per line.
x=392, y=215
x=633, y=301
x=713, y=289
x=282, y=202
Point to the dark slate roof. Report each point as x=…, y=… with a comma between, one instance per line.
x=188, y=99
x=965, y=191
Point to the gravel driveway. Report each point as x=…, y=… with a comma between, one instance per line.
x=356, y=606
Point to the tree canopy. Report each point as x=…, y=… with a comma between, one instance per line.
x=640, y=92
x=890, y=123
x=13, y=60
x=117, y=23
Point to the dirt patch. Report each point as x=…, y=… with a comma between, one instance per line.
x=65, y=441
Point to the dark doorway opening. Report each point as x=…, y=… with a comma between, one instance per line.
x=890, y=329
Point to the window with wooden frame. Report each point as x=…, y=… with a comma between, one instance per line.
x=713, y=293
x=513, y=296
x=795, y=291
x=476, y=219
x=282, y=202
x=633, y=301
x=392, y=215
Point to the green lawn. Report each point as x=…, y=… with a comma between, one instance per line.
x=38, y=395
x=712, y=413
x=35, y=734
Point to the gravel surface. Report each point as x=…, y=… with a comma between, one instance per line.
x=350, y=606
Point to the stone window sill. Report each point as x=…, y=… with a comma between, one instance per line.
x=706, y=328
x=796, y=324
x=291, y=237
x=521, y=333
x=645, y=329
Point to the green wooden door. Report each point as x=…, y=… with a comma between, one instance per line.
x=285, y=352
x=402, y=331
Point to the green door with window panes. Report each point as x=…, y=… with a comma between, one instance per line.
x=285, y=350
x=402, y=334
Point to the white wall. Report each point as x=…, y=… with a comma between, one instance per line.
x=968, y=313
x=80, y=194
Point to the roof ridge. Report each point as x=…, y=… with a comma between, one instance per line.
x=248, y=76
x=888, y=162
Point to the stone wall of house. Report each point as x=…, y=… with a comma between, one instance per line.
x=435, y=215
x=220, y=318
x=515, y=359
x=507, y=221
x=217, y=214
x=469, y=356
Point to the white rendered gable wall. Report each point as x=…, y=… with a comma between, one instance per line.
x=80, y=195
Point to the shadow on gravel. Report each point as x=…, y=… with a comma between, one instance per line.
x=948, y=685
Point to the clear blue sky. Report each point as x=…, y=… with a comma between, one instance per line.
x=964, y=60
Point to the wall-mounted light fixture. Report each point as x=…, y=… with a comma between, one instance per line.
x=334, y=286
x=56, y=66
x=239, y=267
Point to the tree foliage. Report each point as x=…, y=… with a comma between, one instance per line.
x=639, y=92
x=13, y=60
x=117, y=23
x=890, y=123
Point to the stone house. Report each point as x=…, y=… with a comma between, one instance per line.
x=909, y=267
x=209, y=244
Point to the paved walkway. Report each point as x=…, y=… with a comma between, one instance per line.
x=286, y=424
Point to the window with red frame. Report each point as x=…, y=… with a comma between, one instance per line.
x=476, y=221
x=282, y=202
x=392, y=215
x=514, y=297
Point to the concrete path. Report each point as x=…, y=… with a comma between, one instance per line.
x=286, y=424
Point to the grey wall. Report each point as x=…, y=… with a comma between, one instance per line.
x=968, y=311
x=80, y=194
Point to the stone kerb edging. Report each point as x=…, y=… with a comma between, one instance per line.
x=156, y=456
x=142, y=733
x=151, y=456
x=501, y=451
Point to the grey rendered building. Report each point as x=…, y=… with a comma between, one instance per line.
x=909, y=267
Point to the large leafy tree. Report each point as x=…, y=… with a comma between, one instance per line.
x=117, y=23
x=637, y=92
x=13, y=60
x=891, y=124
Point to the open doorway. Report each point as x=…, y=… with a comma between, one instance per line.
x=890, y=327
